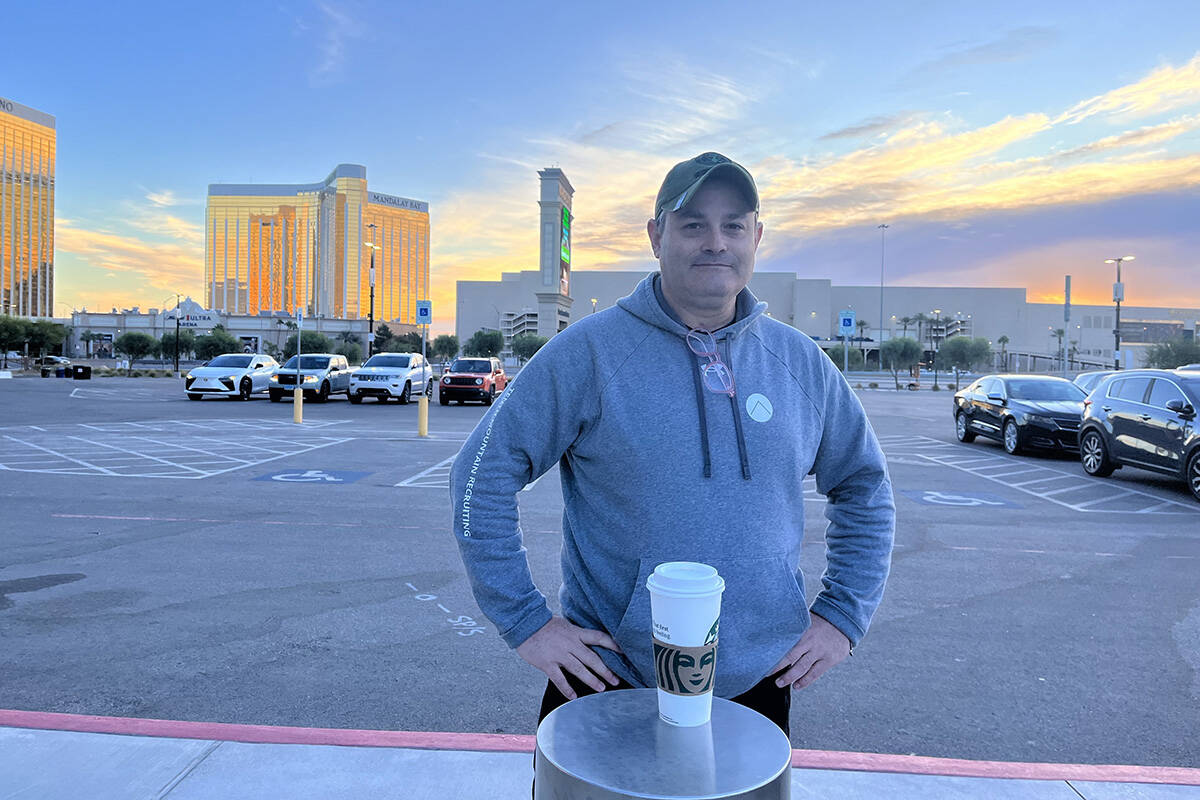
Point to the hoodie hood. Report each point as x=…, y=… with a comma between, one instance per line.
x=643, y=302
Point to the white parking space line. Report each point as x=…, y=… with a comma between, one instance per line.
x=156, y=449
x=436, y=477
x=1047, y=483
x=60, y=455
x=135, y=455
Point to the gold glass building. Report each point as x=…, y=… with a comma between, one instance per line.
x=27, y=147
x=271, y=248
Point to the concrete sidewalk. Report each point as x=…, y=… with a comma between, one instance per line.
x=67, y=756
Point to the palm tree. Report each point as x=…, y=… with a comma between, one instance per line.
x=905, y=322
x=862, y=326
x=1059, y=333
x=920, y=319
x=1003, y=342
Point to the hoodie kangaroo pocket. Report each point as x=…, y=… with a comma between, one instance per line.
x=763, y=613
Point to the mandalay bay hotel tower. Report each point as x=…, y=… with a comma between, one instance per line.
x=27, y=148
x=274, y=248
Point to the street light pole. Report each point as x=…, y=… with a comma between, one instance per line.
x=176, y=334
x=594, y=301
x=1118, y=296
x=882, y=235
x=371, y=281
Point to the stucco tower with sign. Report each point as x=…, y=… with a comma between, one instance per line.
x=554, y=298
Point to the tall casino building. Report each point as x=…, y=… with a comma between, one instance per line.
x=27, y=149
x=273, y=248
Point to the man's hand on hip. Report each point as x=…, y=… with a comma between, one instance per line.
x=821, y=648
x=559, y=646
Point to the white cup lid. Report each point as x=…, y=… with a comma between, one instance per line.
x=685, y=579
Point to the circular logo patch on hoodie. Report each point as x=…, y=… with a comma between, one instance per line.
x=759, y=408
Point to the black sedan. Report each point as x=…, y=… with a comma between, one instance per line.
x=1144, y=418
x=1020, y=411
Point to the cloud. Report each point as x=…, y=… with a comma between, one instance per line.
x=1165, y=89
x=339, y=28
x=154, y=268
x=1151, y=134
x=868, y=127
x=1015, y=45
x=163, y=199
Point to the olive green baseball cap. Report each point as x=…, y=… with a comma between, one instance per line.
x=686, y=178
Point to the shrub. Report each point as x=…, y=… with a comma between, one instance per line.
x=872, y=385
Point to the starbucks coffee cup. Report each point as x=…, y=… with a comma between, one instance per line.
x=685, y=609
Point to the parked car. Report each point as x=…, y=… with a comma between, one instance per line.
x=472, y=379
x=232, y=375
x=388, y=375
x=1020, y=411
x=52, y=361
x=1088, y=380
x=319, y=374
x=1144, y=418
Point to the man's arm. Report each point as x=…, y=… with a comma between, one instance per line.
x=851, y=471
x=544, y=410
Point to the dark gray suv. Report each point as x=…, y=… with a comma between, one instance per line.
x=1143, y=418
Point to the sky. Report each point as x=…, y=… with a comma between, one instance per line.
x=1004, y=144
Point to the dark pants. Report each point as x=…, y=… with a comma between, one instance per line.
x=764, y=697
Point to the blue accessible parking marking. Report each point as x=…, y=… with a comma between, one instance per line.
x=312, y=476
x=931, y=497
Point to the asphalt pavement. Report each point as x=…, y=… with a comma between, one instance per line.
x=214, y=562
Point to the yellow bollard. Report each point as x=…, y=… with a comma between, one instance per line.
x=423, y=416
x=298, y=405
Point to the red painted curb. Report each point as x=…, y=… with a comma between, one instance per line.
x=1009, y=770
x=517, y=743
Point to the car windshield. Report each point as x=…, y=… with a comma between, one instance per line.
x=1045, y=390
x=308, y=362
x=1190, y=383
x=471, y=365
x=239, y=362
x=387, y=361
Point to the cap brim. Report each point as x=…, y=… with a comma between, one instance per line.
x=735, y=171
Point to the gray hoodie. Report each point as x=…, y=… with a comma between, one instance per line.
x=655, y=468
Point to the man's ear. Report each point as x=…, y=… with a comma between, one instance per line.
x=655, y=236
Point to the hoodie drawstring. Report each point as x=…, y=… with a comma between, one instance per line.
x=703, y=416
x=737, y=418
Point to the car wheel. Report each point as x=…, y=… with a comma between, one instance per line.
x=194, y=396
x=490, y=396
x=406, y=393
x=1093, y=454
x=244, y=389
x=429, y=389
x=274, y=395
x=1193, y=474
x=323, y=392
x=1012, y=437
x=355, y=398
x=961, y=429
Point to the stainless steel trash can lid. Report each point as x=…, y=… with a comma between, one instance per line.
x=615, y=740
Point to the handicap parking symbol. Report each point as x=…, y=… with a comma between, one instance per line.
x=318, y=476
x=932, y=497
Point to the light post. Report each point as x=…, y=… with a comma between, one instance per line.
x=882, y=235
x=371, y=281
x=1118, y=296
x=594, y=301
x=937, y=316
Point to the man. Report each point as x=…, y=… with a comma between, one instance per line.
x=683, y=421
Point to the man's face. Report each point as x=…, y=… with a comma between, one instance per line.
x=706, y=249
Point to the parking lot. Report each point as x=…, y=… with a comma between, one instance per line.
x=213, y=561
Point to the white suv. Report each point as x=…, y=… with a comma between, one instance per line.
x=391, y=375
